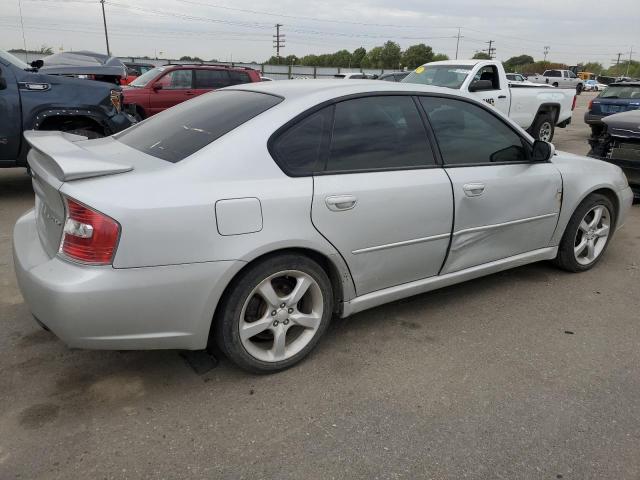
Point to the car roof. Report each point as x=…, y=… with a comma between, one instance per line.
x=627, y=83
x=322, y=90
x=472, y=61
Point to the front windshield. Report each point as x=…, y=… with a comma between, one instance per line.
x=146, y=77
x=450, y=76
x=13, y=59
x=621, y=91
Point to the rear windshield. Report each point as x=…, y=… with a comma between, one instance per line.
x=451, y=76
x=180, y=131
x=621, y=91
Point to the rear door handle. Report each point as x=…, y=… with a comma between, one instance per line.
x=473, y=189
x=338, y=203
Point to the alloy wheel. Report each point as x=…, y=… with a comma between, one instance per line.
x=281, y=316
x=544, y=133
x=592, y=235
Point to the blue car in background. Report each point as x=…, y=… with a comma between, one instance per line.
x=616, y=98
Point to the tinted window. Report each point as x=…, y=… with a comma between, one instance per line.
x=553, y=73
x=378, y=133
x=177, y=80
x=468, y=134
x=208, y=79
x=239, y=77
x=178, y=132
x=299, y=149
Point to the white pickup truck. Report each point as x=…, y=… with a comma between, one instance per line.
x=538, y=109
x=560, y=79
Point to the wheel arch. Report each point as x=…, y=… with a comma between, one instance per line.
x=546, y=108
x=68, y=121
x=339, y=276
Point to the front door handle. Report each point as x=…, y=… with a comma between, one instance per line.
x=338, y=203
x=189, y=93
x=473, y=189
x=502, y=96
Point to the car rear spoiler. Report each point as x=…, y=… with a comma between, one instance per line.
x=60, y=154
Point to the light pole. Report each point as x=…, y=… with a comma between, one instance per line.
x=104, y=20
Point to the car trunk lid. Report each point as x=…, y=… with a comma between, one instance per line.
x=56, y=158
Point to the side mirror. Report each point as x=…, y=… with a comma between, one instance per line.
x=542, y=151
x=156, y=87
x=3, y=82
x=37, y=64
x=480, y=85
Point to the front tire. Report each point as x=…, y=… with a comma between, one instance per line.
x=587, y=234
x=274, y=313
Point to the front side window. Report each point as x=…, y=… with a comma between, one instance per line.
x=177, y=80
x=373, y=133
x=178, y=132
x=211, y=79
x=489, y=73
x=467, y=134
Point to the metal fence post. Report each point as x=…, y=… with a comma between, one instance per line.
x=315, y=70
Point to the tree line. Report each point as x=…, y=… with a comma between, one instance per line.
x=389, y=56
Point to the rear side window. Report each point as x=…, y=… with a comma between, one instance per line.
x=209, y=79
x=238, y=77
x=375, y=133
x=180, y=131
x=299, y=150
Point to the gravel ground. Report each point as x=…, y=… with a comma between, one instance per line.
x=531, y=373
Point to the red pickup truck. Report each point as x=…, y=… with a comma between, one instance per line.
x=163, y=87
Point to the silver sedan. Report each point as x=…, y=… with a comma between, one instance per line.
x=253, y=215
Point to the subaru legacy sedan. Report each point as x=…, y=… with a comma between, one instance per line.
x=251, y=216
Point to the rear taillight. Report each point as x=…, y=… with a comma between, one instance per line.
x=88, y=236
x=573, y=105
x=590, y=106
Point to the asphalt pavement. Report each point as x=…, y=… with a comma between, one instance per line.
x=532, y=373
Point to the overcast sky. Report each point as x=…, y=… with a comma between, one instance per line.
x=241, y=30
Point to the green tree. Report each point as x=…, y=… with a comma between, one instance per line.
x=417, y=55
x=593, y=67
x=341, y=58
x=439, y=57
x=513, y=64
x=290, y=60
x=390, y=55
x=373, y=59
x=482, y=56
x=187, y=58
x=357, y=56
x=45, y=50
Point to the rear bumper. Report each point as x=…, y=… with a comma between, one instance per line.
x=107, y=308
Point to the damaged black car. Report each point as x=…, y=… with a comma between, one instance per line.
x=619, y=143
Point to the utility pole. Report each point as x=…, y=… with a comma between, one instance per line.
x=490, y=50
x=104, y=20
x=278, y=41
x=24, y=40
x=629, y=64
x=546, y=52
x=458, y=42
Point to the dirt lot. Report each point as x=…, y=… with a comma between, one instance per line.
x=532, y=373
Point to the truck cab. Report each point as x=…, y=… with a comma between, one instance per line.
x=30, y=100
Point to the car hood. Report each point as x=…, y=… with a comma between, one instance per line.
x=83, y=63
x=626, y=124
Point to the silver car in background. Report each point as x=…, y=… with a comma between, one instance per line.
x=252, y=215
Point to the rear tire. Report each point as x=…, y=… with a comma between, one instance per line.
x=587, y=234
x=274, y=313
x=555, y=84
x=543, y=127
